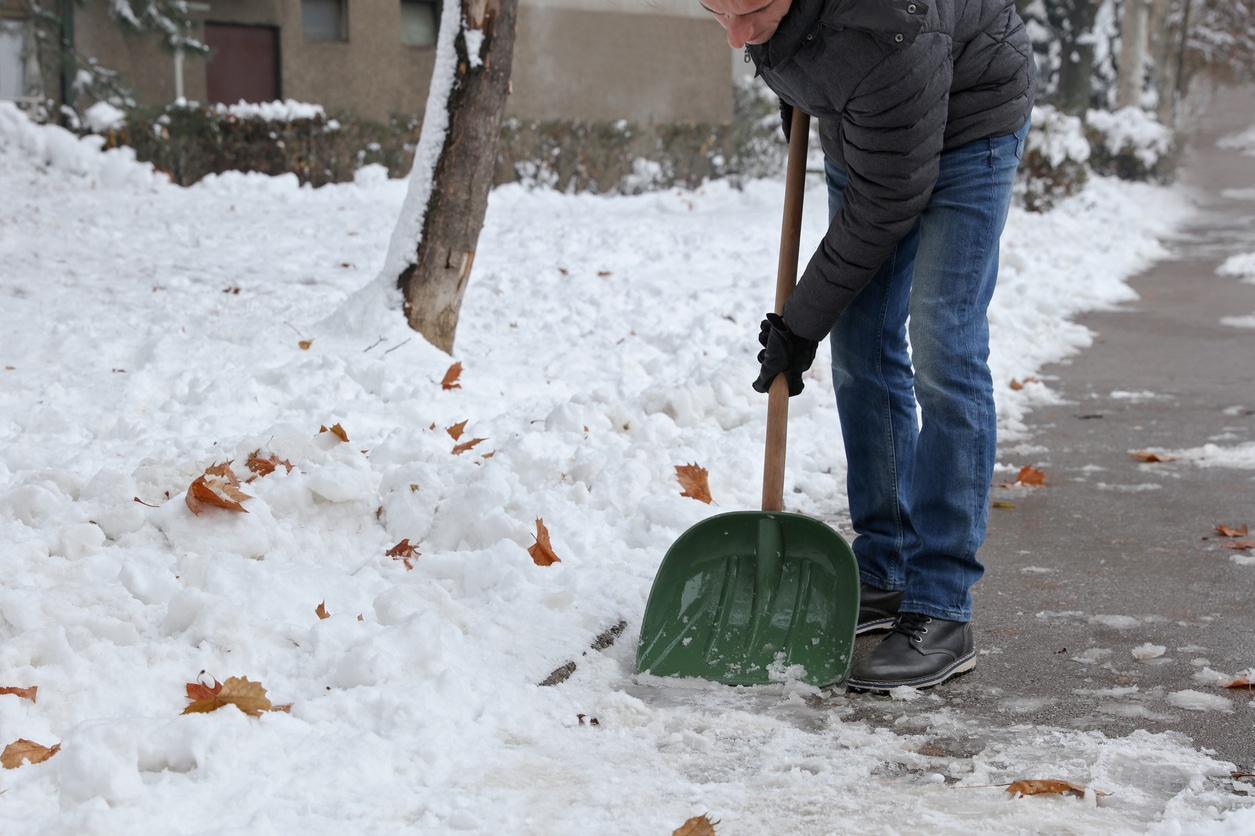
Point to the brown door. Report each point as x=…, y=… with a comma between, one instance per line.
x=244, y=64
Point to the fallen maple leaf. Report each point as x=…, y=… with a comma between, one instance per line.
x=249, y=697
x=265, y=467
x=1147, y=456
x=1241, y=545
x=542, y=552
x=459, y=449
x=1017, y=386
x=1228, y=531
x=217, y=487
x=23, y=693
x=336, y=430
x=403, y=552
x=693, y=479
x=696, y=826
x=1028, y=476
x=455, y=432
x=450, y=380
x=197, y=691
x=1040, y=787
x=22, y=751
x=321, y=611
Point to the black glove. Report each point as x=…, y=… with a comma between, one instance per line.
x=783, y=352
x=786, y=118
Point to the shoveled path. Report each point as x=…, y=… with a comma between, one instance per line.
x=1114, y=554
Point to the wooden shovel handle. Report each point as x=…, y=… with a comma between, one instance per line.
x=786, y=278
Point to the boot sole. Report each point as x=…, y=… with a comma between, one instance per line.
x=874, y=626
x=959, y=666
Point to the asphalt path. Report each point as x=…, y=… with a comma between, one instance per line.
x=1109, y=602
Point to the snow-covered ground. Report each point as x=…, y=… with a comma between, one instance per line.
x=150, y=332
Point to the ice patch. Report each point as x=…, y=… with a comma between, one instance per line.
x=1116, y=622
x=1192, y=700
x=1148, y=651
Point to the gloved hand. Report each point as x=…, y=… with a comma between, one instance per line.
x=783, y=352
x=786, y=118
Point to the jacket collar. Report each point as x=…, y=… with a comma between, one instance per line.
x=801, y=20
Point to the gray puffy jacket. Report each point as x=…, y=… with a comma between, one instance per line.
x=893, y=83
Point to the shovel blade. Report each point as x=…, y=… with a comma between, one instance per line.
x=748, y=598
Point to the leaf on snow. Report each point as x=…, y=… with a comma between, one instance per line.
x=403, y=552
x=1028, y=476
x=696, y=826
x=1017, y=385
x=1048, y=786
x=321, y=611
x=249, y=697
x=1147, y=456
x=693, y=479
x=1240, y=682
x=265, y=467
x=459, y=449
x=450, y=380
x=217, y=487
x=22, y=750
x=336, y=430
x=1228, y=531
x=23, y=693
x=197, y=691
x=455, y=432
x=542, y=552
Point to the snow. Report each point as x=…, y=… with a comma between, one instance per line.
x=152, y=331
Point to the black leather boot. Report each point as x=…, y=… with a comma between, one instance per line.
x=920, y=651
x=877, y=608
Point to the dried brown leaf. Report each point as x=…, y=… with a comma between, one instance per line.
x=249, y=697
x=217, y=487
x=459, y=449
x=197, y=691
x=321, y=611
x=1229, y=531
x=336, y=430
x=693, y=479
x=23, y=693
x=450, y=380
x=403, y=552
x=1048, y=786
x=542, y=552
x=696, y=826
x=1240, y=545
x=1028, y=476
x=1240, y=682
x=22, y=751
x=1147, y=456
x=265, y=467
x=455, y=432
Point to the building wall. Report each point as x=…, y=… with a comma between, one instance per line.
x=640, y=60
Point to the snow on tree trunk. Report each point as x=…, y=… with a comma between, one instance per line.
x=1134, y=38
x=433, y=245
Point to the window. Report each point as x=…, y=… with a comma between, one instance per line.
x=323, y=20
x=420, y=22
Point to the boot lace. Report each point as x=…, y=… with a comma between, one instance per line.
x=913, y=625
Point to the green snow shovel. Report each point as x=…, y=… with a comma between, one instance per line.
x=748, y=598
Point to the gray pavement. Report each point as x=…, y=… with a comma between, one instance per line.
x=1115, y=554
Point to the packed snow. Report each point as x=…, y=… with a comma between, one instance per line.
x=152, y=332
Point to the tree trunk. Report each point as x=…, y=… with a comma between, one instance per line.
x=435, y=283
x=1134, y=38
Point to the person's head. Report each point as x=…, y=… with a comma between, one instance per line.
x=748, y=21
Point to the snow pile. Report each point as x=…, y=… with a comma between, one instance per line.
x=1132, y=130
x=604, y=341
x=55, y=147
x=1241, y=265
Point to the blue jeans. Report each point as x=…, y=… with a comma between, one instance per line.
x=919, y=490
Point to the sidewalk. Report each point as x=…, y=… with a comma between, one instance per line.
x=1114, y=554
